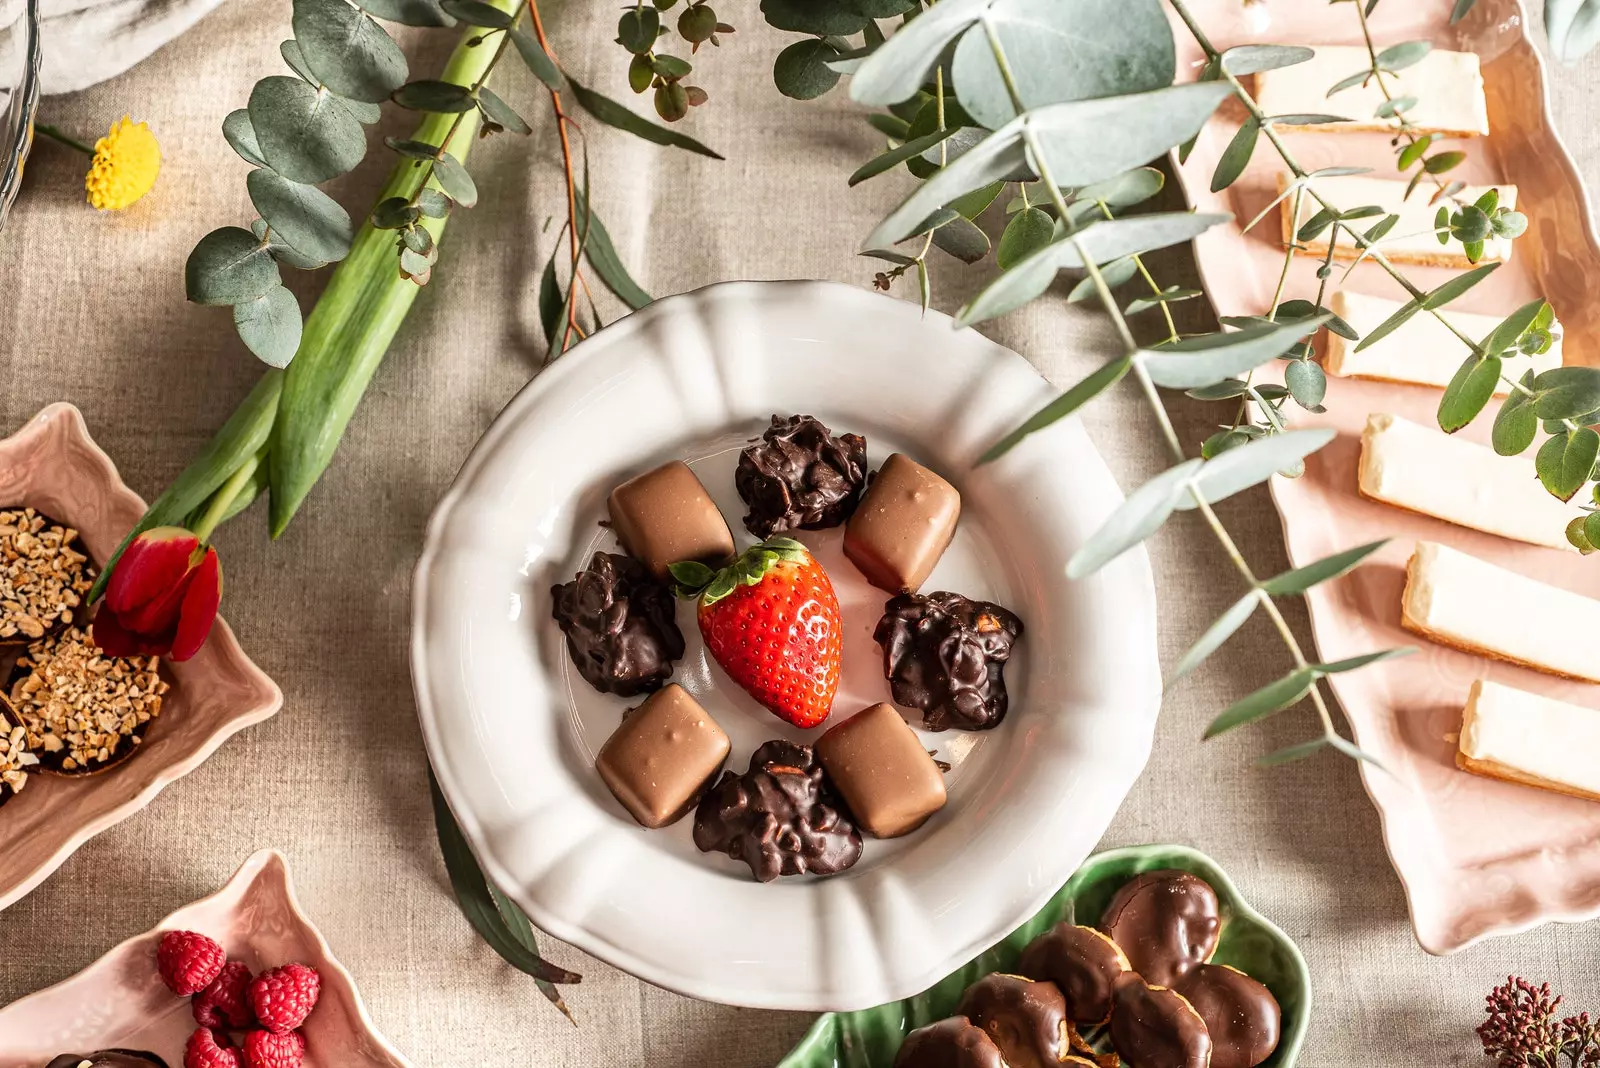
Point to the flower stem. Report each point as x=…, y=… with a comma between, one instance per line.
x=224, y=497
x=55, y=134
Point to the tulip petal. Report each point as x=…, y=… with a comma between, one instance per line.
x=116, y=640
x=151, y=567
x=200, y=603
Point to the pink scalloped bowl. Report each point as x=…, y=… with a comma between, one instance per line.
x=1477, y=857
x=119, y=1000
x=52, y=465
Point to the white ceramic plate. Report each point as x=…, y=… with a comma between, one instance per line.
x=512, y=731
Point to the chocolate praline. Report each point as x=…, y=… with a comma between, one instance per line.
x=1241, y=1015
x=946, y=655
x=620, y=625
x=1083, y=963
x=950, y=1043
x=1166, y=922
x=800, y=476
x=108, y=1058
x=1153, y=1027
x=1026, y=1019
x=780, y=817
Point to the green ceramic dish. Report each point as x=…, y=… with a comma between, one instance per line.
x=1249, y=942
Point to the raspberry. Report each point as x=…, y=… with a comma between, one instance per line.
x=188, y=961
x=263, y=1049
x=223, y=1004
x=283, y=997
x=202, y=1051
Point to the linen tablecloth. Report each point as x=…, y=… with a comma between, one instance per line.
x=92, y=311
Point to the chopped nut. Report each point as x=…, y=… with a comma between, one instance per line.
x=43, y=578
x=79, y=703
x=14, y=759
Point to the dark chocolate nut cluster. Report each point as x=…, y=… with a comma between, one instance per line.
x=108, y=1058
x=779, y=817
x=945, y=655
x=620, y=626
x=800, y=476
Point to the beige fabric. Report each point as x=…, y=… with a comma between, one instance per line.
x=92, y=311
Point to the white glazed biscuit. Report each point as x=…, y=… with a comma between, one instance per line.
x=1411, y=240
x=1538, y=741
x=1448, y=87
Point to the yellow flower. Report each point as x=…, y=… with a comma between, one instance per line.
x=126, y=162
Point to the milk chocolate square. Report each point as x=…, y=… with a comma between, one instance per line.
x=879, y=767
x=902, y=526
x=662, y=758
x=666, y=515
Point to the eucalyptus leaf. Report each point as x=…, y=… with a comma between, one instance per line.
x=454, y=180
x=1273, y=697
x=281, y=251
x=303, y=133
x=1094, y=384
x=228, y=266
x=1126, y=189
x=620, y=117
x=1209, y=358
x=1403, y=55
x=429, y=94
x=1215, y=635
x=270, y=326
x=1391, y=324
x=1460, y=10
x=1469, y=392
x=1301, y=579
x=1027, y=232
x=974, y=203
x=1457, y=286
x=1116, y=46
x=883, y=9
x=1307, y=383
x=241, y=137
x=602, y=256
x=501, y=112
x=1567, y=392
x=1235, y=157
x=1565, y=462
x=1355, y=663
x=896, y=71
x=1100, y=242
x=538, y=60
x=961, y=238
x=1135, y=519
x=550, y=299
x=636, y=30
x=1517, y=423
x=1253, y=59
x=891, y=159
x=801, y=71
x=303, y=216
x=347, y=50
x=477, y=13
x=817, y=17
x=1253, y=463
x=408, y=12
x=290, y=51
x=1291, y=753
x=364, y=113
x=1311, y=119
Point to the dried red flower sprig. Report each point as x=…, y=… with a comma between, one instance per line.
x=1522, y=1030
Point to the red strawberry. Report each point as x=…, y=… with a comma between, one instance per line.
x=188, y=961
x=771, y=620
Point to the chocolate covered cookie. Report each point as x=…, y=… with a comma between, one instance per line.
x=1153, y=1027
x=780, y=817
x=1026, y=1019
x=620, y=625
x=950, y=1043
x=108, y=1058
x=1241, y=1015
x=1166, y=922
x=1083, y=964
x=945, y=655
x=799, y=476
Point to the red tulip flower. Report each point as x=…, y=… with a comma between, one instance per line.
x=162, y=597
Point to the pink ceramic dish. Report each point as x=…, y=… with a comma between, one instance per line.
x=1477, y=857
x=52, y=465
x=119, y=1000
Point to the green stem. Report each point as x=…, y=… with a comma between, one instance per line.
x=55, y=134
x=225, y=496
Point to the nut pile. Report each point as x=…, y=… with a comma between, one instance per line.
x=82, y=709
x=43, y=578
x=15, y=760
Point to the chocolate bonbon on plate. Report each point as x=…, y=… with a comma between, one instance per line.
x=1241, y=1015
x=660, y=761
x=1084, y=965
x=108, y=1058
x=902, y=526
x=800, y=476
x=1154, y=1027
x=779, y=817
x=1026, y=1019
x=889, y=781
x=665, y=515
x=620, y=625
x=1167, y=922
x=954, y=1042
x=945, y=655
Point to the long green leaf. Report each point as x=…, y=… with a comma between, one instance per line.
x=1469, y=392
x=1301, y=579
x=1289, y=754
x=1457, y=286
x=608, y=265
x=1211, y=358
x=1219, y=632
x=1391, y=324
x=622, y=118
x=1254, y=462
x=900, y=65
x=1273, y=697
x=1135, y=519
x=240, y=438
x=896, y=156
x=1092, y=385
x=1355, y=662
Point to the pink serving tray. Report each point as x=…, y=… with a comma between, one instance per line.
x=119, y=1000
x=1477, y=857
